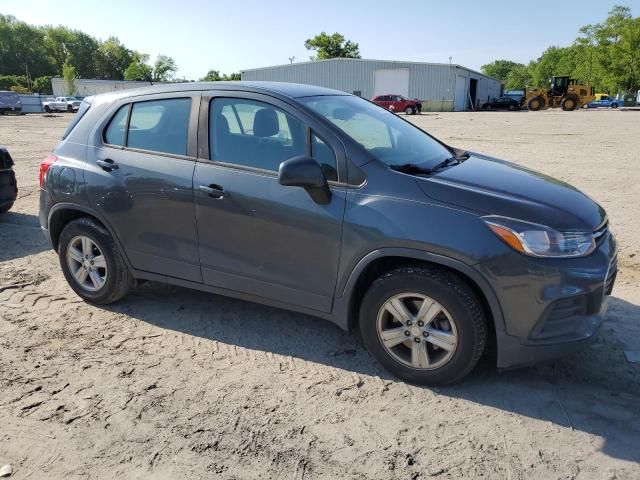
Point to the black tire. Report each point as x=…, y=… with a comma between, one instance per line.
x=569, y=104
x=614, y=105
x=6, y=208
x=448, y=290
x=119, y=279
x=69, y=108
x=535, y=104
x=47, y=109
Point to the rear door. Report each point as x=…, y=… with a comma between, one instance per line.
x=139, y=176
x=257, y=236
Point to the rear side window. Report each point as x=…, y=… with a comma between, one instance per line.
x=160, y=125
x=114, y=134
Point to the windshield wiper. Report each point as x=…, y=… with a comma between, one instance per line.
x=413, y=169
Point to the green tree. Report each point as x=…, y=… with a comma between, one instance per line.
x=113, y=58
x=139, y=69
x=214, y=76
x=332, y=46
x=500, y=69
x=69, y=75
x=164, y=69
x=42, y=85
x=518, y=78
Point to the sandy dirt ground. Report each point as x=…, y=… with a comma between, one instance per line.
x=173, y=383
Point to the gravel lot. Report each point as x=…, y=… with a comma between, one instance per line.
x=172, y=383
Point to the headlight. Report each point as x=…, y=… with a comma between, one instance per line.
x=541, y=241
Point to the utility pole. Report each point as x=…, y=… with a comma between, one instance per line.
x=291, y=59
x=26, y=67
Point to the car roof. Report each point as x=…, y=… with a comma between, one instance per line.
x=292, y=90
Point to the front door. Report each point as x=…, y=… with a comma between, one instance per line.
x=257, y=236
x=139, y=177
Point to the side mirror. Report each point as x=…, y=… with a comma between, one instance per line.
x=305, y=172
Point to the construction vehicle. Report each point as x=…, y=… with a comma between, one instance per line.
x=564, y=92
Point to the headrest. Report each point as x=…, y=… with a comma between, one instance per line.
x=265, y=123
x=222, y=125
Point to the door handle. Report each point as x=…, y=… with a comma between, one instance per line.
x=107, y=164
x=214, y=191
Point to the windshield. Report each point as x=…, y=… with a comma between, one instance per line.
x=382, y=133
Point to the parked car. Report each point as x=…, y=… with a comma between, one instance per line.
x=61, y=104
x=502, y=103
x=606, y=102
x=398, y=103
x=320, y=202
x=8, y=184
x=10, y=103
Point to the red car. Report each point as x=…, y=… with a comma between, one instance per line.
x=398, y=103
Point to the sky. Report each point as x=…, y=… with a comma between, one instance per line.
x=233, y=35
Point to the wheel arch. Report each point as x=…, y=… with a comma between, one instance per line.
x=374, y=264
x=62, y=214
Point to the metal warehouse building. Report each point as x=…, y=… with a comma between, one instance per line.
x=441, y=87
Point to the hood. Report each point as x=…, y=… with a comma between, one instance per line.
x=496, y=187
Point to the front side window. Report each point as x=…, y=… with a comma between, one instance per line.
x=160, y=125
x=383, y=134
x=253, y=134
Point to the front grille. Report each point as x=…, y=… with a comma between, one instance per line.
x=611, y=276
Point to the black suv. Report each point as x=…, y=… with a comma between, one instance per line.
x=8, y=184
x=316, y=201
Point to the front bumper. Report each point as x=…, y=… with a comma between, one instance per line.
x=551, y=307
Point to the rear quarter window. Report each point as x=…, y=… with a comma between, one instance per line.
x=82, y=110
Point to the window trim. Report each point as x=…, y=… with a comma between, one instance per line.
x=308, y=120
x=130, y=101
x=310, y=133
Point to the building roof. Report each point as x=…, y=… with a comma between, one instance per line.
x=453, y=65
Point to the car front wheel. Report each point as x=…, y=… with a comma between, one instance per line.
x=92, y=262
x=423, y=324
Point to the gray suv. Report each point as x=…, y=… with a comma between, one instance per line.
x=320, y=202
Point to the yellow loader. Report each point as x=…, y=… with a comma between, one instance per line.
x=564, y=92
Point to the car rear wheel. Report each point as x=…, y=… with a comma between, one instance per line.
x=423, y=324
x=92, y=262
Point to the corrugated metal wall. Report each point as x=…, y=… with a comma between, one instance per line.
x=87, y=87
x=432, y=83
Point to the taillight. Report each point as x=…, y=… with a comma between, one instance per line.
x=44, y=166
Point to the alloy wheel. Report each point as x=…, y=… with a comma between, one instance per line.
x=417, y=331
x=86, y=263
